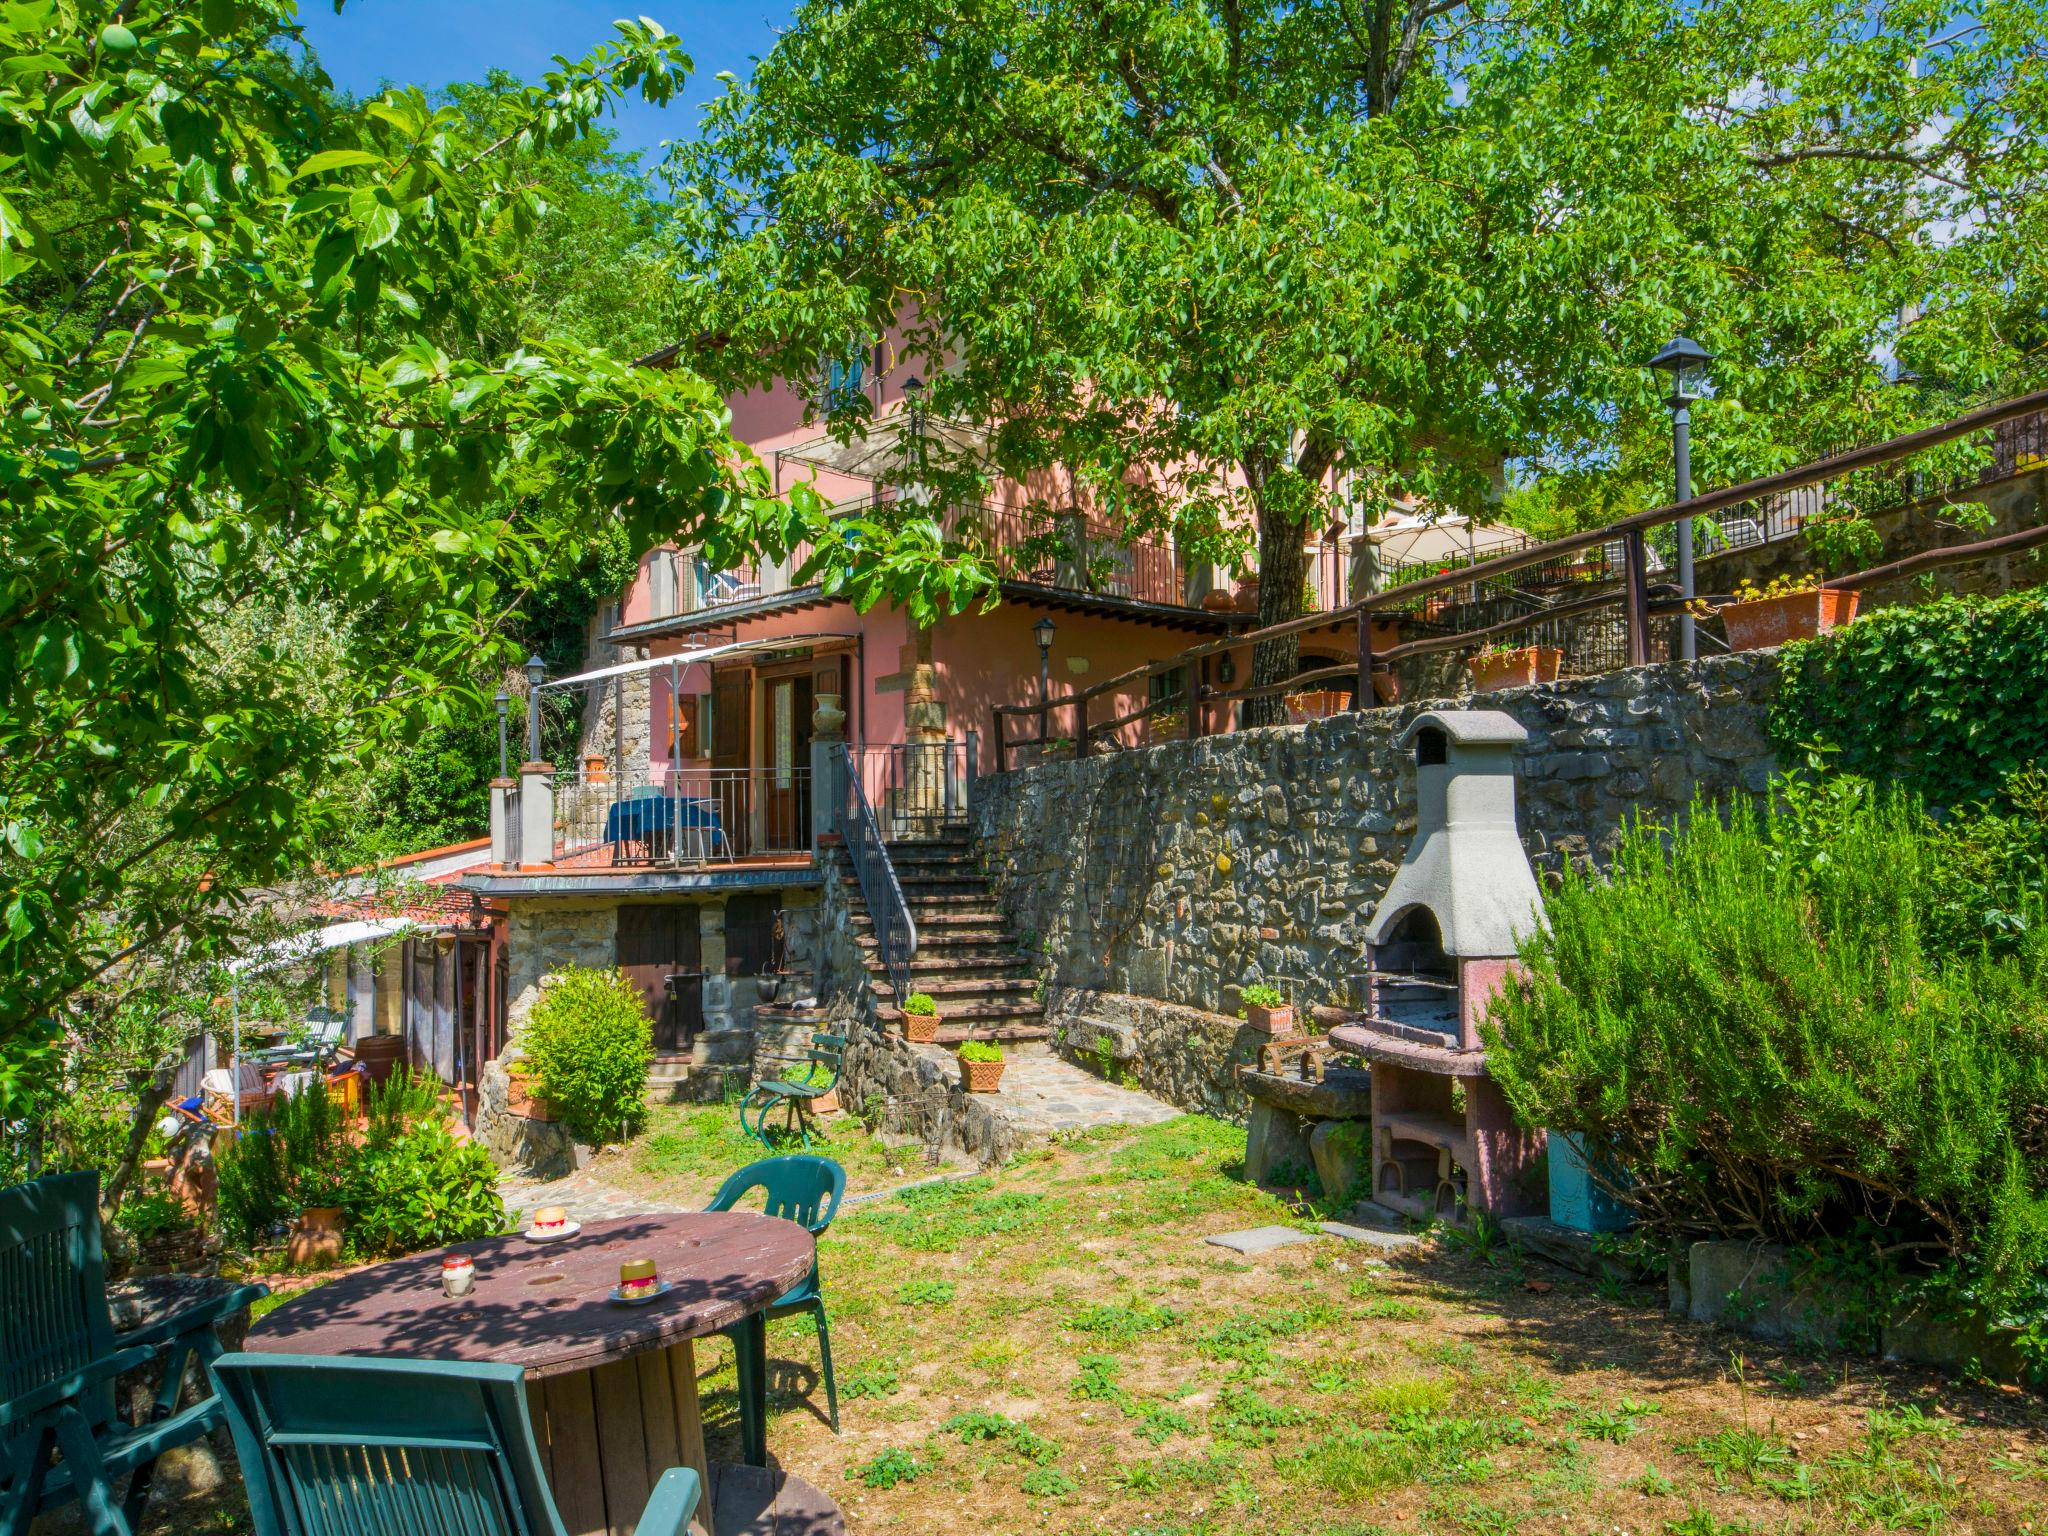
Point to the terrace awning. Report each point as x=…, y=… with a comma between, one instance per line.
x=884, y=450
x=703, y=653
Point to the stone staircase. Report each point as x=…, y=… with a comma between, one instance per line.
x=967, y=957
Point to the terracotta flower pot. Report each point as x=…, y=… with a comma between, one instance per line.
x=1769, y=621
x=1515, y=669
x=596, y=770
x=1271, y=1021
x=1316, y=704
x=1248, y=595
x=316, y=1238
x=1218, y=600
x=921, y=1028
x=827, y=1103
x=982, y=1076
x=521, y=1100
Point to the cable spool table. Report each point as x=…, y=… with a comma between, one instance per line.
x=613, y=1388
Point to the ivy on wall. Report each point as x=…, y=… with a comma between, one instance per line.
x=1949, y=698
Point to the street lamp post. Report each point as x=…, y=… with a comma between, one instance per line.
x=504, y=702
x=536, y=670
x=1042, y=632
x=1686, y=362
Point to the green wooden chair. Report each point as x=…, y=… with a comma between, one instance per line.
x=805, y=1190
x=59, y=1357
x=336, y=1446
x=821, y=1075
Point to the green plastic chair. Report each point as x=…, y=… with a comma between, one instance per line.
x=336, y=1446
x=764, y=1098
x=806, y=1190
x=59, y=1357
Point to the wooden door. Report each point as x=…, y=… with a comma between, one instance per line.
x=655, y=943
x=732, y=753
x=786, y=736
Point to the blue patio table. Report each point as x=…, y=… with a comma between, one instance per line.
x=612, y=1388
x=653, y=819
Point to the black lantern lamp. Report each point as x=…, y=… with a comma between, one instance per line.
x=504, y=703
x=536, y=670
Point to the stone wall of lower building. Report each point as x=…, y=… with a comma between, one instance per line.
x=1184, y=872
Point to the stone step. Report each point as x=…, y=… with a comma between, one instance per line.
x=942, y=968
x=980, y=1015
x=958, y=946
x=944, y=916
x=1002, y=1034
x=1002, y=989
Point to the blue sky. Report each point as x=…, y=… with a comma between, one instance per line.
x=433, y=43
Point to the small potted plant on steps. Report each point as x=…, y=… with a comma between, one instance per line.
x=1514, y=666
x=1790, y=608
x=1266, y=1010
x=981, y=1066
x=920, y=1018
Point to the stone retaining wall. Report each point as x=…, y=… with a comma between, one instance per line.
x=1181, y=873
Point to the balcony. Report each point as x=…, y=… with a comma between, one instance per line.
x=688, y=819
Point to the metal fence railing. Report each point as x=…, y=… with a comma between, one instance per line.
x=917, y=790
x=686, y=817
x=895, y=933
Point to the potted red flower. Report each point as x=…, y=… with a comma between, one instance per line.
x=1790, y=608
x=1514, y=666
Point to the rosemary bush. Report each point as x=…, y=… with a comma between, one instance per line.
x=1783, y=1029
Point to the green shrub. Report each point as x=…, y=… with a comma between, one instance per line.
x=420, y=1188
x=1261, y=995
x=590, y=1044
x=980, y=1050
x=1948, y=698
x=1784, y=1035
x=154, y=1213
x=293, y=1155
x=920, y=1003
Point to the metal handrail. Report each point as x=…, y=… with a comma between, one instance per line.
x=895, y=933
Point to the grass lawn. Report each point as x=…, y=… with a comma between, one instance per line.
x=1054, y=1349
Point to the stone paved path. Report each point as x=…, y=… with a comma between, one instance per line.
x=1044, y=1094
x=586, y=1197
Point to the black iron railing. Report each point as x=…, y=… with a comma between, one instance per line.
x=687, y=817
x=895, y=933
x=917, y=789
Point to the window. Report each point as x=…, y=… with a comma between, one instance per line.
x=1162, y=686
x=689, y=715
x=845, y=381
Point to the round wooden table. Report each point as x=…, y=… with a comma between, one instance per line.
x=613, y=1388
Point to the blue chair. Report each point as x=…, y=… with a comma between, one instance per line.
x=59, y=1357
x=335, y=1446
x=806, y=1190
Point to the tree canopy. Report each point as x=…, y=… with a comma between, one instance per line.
x=1236, y=265
x=228, y=317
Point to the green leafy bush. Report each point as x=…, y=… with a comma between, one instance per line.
x=1260, y=995
x=420, y=1188
x=920, y=1003
x=980, y=1050
x=1783, y=1035
x=590, y=1044
x=1949, y=698
x=153, y=1214
x=406, y=1184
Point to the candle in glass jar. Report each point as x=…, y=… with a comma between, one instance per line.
x=637, y=1277
x=458, y=1274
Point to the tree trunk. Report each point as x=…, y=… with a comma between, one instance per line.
x=1283, y=571
x=148, y=1100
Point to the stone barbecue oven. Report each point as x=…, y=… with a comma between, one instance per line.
x=1440, y=944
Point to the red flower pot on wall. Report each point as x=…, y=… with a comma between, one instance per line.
x=1769, y=621
x=1515, y=669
